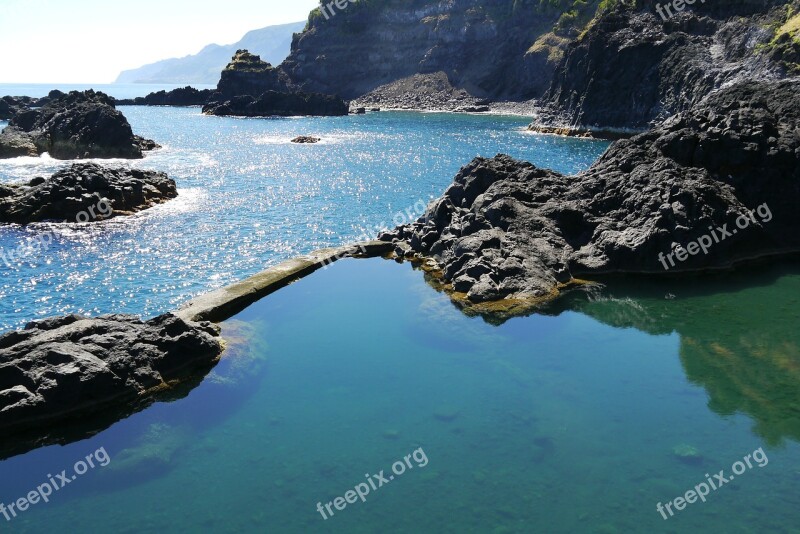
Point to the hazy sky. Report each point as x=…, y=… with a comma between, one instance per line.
x=91, y=41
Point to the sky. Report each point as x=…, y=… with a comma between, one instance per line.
x=92, y=41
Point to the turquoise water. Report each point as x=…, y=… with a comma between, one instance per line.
x=248, y=199
x=579, y=419
x=558, y=423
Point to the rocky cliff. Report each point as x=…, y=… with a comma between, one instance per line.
x=490, y=48
x=632, y=67
x=612, y=64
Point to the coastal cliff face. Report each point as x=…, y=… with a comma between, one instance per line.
x=484, y=46
x=632, y=67
x=612, y=64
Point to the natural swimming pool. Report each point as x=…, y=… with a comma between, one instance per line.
x=580, y=419
x=248, y=199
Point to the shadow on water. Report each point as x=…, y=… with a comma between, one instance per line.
x=77, y=429
x=147, y=447
x=739, y=336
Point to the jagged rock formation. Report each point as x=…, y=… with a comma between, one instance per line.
x=508, y=230
x=77, y=125
x=100, y=192
x=247, y=74
x=10, y=106
x=59, y=370
x=631, y=68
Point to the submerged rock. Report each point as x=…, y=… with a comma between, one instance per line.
x=61, y=369
x=98, y=192
x=76, y=125
x=154, y=453
x=687, y=454
x=507, y=230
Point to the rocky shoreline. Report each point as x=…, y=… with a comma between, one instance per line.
x=508, y=232
x=62, y=372
x=709, y=98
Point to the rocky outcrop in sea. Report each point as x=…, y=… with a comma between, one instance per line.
x=248, y=74
x=72, y=126
x=249, y=87
x=728, y=168
x=88, y=188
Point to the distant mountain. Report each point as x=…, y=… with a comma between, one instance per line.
x=271, y=43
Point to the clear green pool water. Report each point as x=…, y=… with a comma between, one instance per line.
x=576, y=421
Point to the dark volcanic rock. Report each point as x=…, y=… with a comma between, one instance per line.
x=71, y=367
x=273, y=103
x=247, y=74
x=10, y=106
x=432, y=91
x=508, y=230
x=306, y=139
x=101, y=192
x=631, y=68
x=76, y=125
x=482, y=46
x=184, y=96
